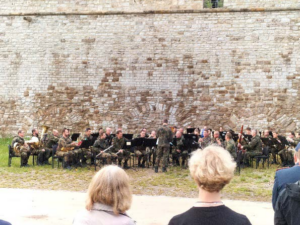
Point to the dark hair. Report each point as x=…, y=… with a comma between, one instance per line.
x=165, y=120
x=100, y=128
x=101, y=134
x=87, y=129
x=293, y=133
x=248, y=128
x=33, y=130
x=63, y=131
x=20, y=131
x=119, y=131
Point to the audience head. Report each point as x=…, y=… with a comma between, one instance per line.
x=110, y=186
x=212, y=168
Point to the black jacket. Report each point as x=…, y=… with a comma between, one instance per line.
x=287, y=210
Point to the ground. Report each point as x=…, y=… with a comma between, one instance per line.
x=252, y=184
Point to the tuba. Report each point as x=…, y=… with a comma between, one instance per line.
x=44, y=132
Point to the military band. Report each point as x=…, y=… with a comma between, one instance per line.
x=112, y=148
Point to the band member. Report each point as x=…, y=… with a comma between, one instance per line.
x=174, y=131
x=248, y=131
x=100, y=145
x=36, y=149
x=206, y=140
x=65, y=149
x=181, y=129
x=280, y=148
x=292, y=139
x=271, y=149
x=221, y=129
x=52, y=142
x=118, y=142
x=87, y=153
x=100, y=131
x=153, y=150
x=254, y=148
x=165, y=136
x=217, y=140
x=21, y=148
x=108, y=136
x=145, y=130
x=230, y=145
x=178, y=150
x=140, y=151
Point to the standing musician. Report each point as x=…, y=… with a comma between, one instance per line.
x=100, y=145
x=140, y=151
x=165, y=136
x=87, y=153
x=65, y=149
x=230, y=145
x=206, y=140
x=178, y=150
x=217, y=140
x=36, y=148
x=21, y=148
x=118, y=142
x=254, y=148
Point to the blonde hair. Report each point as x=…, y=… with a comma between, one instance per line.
x=110, y=186
x=212, y=168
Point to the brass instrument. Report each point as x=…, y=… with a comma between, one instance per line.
x=172, y=129
x=67, y=149
x=44, y=131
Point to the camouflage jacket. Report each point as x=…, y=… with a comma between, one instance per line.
x=118, y=144
x=214, y=141
x=206, y=142
x=179, y=143
x=255, y=145
x=100, y=144
x=85, y=137
x=165, y=136
x=64, y=143
x=230, y=147
x=52, y=140
x=17, y=139
x=296, y=141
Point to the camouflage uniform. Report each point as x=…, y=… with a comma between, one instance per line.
x=254, y=148
x=69, y=156
x=230, y=147
x=165, y=136
x=183, y=153
x=206, y=142
x=86, y=152
x=215, y=142
x=42, y=154
x=152, y=152
x=141, y=153
x=51, y=143
x=100, y=145
x=282, y=152
x=24, y=152
x=117, y=145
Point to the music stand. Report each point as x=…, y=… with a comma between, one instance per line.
x=190, y=130
x=75, y=136
x=128, y=136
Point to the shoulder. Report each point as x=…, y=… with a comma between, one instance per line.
x=234, y=216
x=82, y=218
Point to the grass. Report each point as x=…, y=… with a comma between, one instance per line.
x=252, y=184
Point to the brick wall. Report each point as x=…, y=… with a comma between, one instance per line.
x=131, y=71
x=260, y=3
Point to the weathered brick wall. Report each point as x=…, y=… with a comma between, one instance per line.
x=29, y=6
x=260, y=3
x=132, y=71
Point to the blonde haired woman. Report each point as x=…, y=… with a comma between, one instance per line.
x=109, y=197
x=211, y=169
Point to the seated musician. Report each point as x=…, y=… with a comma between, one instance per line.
x=271, y=149
x=248, y=131
x=145, y=130
x=205, y=141
x=230, y=145
x=140, y=151
x=152, y=151
x=178, y=150
x=280, y=149
x=100, y=145
x=217, y=140
x=36, y=148
x=254, y=148
x=197, y=132
x=118, y=142
x=66, y=150
x=108, y=135
x=86, y=152
x=21, y=148
x=52, y=142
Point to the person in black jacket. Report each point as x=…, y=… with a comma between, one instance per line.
x=287, y=210
x=211, y=169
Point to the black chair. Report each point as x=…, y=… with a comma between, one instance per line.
x=11, y=155
x=264, y=157
x=59, y=159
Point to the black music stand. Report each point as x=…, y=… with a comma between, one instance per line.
x=222, y=134
x=283, y=140
x=150, y=142
x=190, y=130
x=128, y=136
x=75, y=136
x=248, y=137
x=235, y=137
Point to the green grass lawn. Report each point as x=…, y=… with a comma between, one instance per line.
x=252, y=184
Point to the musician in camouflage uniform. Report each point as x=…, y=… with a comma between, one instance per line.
x=216, y=140
x=280, y=148
x=178, y=150
x=52, y=142
x=100, y=145
x=118, y=142
x=165, y=136
x=86, y=152
x=206, y=140
x=152, y=151
x=64, y=149
x=254, y=148
x=230, y=145
x=140, y=151
x=42, y=154
x=24, y=151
